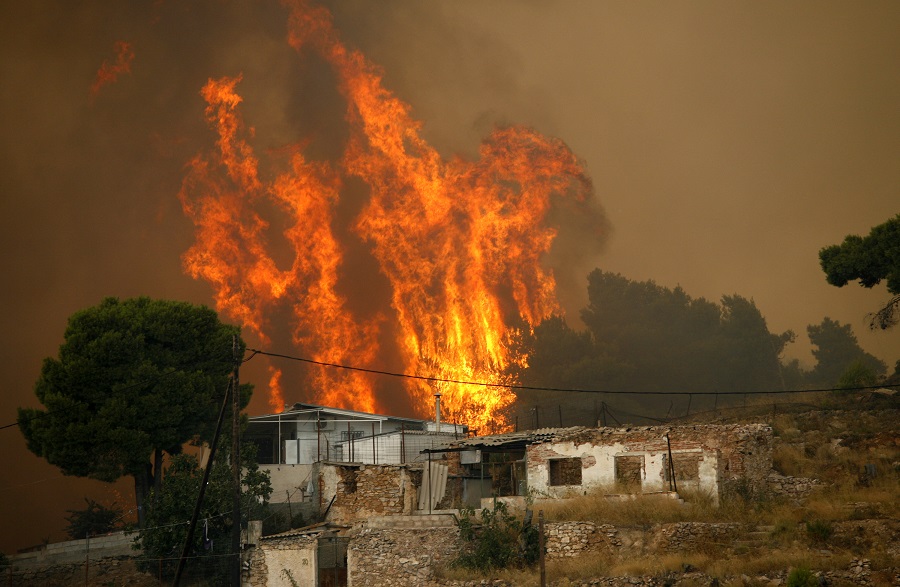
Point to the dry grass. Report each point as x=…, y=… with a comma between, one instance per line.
x=639, y=510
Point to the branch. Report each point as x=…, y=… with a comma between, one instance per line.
x=887, y=316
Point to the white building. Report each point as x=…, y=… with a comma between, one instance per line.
x=289, y=443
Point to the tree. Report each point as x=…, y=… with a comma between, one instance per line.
x=134, y=379
x=172, y=505
x=869, y=259
x=836, y=350
x=676, y=342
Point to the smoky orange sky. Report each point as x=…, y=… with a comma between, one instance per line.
x=727, y=143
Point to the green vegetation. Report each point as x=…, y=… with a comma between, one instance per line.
x=641, y=336
x=498, y=541
x=93, y=520
x=869, y=259
x=819, y=531
x=134, y=379
x=802, y=577
x=173, y=503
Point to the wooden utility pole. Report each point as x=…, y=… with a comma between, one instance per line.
x=236, y=466
x=209, y=463
x=541, y=548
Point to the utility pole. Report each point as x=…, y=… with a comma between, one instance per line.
x=209, y=463
x=236, y=466
x=541, y=561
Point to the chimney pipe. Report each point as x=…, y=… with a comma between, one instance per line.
x=437, y=411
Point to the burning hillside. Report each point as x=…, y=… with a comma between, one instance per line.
x=460, y=243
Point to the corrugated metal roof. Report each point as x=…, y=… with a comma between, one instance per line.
x=520, y=438
x=306, y=530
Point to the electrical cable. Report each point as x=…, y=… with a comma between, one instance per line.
x=435, y=379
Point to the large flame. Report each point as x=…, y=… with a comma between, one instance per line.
x=460, y=242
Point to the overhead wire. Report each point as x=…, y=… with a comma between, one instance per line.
x=436, y=379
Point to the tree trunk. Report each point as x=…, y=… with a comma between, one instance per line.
x=140, y=496
x=157, y=473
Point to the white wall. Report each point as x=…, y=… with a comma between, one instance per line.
x=599, y=469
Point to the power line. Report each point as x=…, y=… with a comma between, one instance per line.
x=435, y=379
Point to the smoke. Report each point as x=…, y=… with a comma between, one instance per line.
x=727, y=145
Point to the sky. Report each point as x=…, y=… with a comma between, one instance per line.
x=727, y=144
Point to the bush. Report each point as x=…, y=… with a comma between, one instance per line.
x=802, y=577
x=498, y=542
x=93, y=520
x=819, y=531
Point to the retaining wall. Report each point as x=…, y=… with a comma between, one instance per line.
x=75, y=551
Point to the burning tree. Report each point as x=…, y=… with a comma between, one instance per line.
x=459, y=244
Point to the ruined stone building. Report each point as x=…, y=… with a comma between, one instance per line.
x=401, y=514
x=560, y=462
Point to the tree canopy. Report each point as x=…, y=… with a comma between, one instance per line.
x=162, y=539
x=870, y=260
x=641, y=336
x=133, y=379
x=837, y=350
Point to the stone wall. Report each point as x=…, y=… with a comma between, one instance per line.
x=568, y=539
x=399, y=557
x=364, y=491
x=282, y=561
x=795, y=488
x=693, y=537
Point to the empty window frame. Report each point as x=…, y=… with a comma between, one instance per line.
x=629, y=470
x=565, y=472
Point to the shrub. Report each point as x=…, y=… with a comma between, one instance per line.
x=499, y=541
x=819, y=531
x=93, y=520
x=802, y=577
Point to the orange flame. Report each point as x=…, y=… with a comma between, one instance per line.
x=231, y=250
x=459, y=242
x=109, y=73
x=276, y=397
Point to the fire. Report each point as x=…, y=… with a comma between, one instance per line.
x=276, y=396
x=460, y=242
x=109, y=73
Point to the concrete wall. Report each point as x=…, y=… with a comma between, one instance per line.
x=75, y=551
x=289, y=479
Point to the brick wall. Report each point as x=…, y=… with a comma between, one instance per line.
x=282, y=562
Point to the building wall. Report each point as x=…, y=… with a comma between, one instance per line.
x=363, y=491
x=399, y=557
x=283, y=562
x=707, y=457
